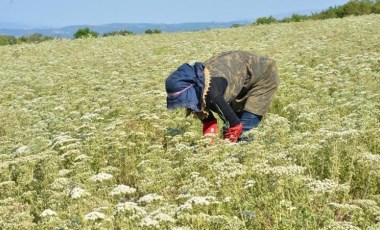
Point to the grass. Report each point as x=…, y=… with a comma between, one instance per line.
x=86, y=141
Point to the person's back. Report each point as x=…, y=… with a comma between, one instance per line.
x=250, y=77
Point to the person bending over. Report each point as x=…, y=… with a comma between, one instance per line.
x=236, y=85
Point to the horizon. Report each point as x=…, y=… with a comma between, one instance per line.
x=54, y=14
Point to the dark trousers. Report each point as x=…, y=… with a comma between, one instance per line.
x=249, y=121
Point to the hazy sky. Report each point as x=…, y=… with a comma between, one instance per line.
x=94, y=12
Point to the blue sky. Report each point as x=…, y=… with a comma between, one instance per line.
x=96, y=12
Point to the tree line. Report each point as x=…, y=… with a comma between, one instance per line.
x=80, y=33
x=87, y=33
x=353, y=7
x=33, y=38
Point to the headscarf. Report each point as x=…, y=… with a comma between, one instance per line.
x=185, y=87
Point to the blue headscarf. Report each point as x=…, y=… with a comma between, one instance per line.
x=185, y=86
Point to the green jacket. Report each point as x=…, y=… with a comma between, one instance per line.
x=252, y=80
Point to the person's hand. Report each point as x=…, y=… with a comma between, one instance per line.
x=233, y=133
x=210, y=127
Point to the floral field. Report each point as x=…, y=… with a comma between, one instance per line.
x=86, y=141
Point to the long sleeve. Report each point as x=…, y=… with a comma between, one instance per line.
x=215, y=102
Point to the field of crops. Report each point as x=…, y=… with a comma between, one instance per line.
x=86, y=141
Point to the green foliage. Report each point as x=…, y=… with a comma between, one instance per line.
x=121, y=33
x=35, y=38
x=295, y=18
x=85, y=33
x=236, y=25
x=265, y=20
x=8, y=40
x=376, y=7
x=32, y=38
x=355, y=7
x=325, y=14
x=153, y=31
x=3, y=40
x=13, y=40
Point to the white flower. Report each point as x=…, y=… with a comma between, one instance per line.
x=344, y=206
x=94, y=216
x=150, y=198
x=201, y=200
x=249, y=184
x=130, y=207
x=229, y=168
x=341, y=225
x=122, y=189
x=101, y=177
x=48, y=212
x=162, y=217
x=81, y=157
x=149, y=222
x=289, y=170
x=90, y=116
x=327, y=186
x=78, y=192
x=60, y=141
x=365, y=202
x=60, y=183
x=227, y=199
x=185, y=207
x=64, y=172
x=181, y=228
x=183, y=196
x=22, y=150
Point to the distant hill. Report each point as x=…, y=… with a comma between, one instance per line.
x=22, y=29
x=68, y=31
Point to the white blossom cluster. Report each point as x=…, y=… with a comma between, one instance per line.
x=23, y=150
x=48, y=212
x=370, y=159
x=229, y=168
x=60, y=183
x=365, y=203
x=78, y=192
x=93, y=216
x=156, y=219
x=197, y=201
x=64, y=142
x=90, y=117
x=149, y=198
x=101, y=177
x=264, y=168
x=183, y=196
x=326, y=186
x=122, y=189
x=81, y=157
x=341, y=225
x=196, y=185
x=346, y=207
x=249, y=184
x=149, y=222
x=131, y=209
x=64, y=172
x=202, y=200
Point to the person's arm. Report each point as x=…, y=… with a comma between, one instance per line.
x=216, y=102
